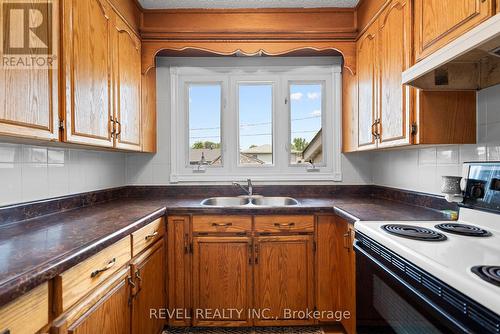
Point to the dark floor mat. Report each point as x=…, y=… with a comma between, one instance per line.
x=256, y=330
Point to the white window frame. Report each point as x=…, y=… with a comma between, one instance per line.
x=281, y=169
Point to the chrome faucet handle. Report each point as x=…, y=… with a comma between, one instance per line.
x=250, y=187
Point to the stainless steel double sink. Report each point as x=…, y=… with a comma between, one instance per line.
x=249, y=201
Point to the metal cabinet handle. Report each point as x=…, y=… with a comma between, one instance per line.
x=222, y=224
x=375, y=133
x=138, y=275
x=284, y=225
x=119, y=131
x=256, y=250
x=113, y=129
x=107, y=267
x=151, y=236
x=347, y=240
x=186, y=243
x=250, y=248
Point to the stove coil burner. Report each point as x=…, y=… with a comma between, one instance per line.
x=414, y=232
x=463, y=229
x=490, y=274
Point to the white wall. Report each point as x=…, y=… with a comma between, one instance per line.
x=421, y=169
x=30, y=173
x=155, y=169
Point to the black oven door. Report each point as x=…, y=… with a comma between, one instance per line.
x=388, y=302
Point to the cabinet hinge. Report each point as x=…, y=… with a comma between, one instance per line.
x=61, y=125
x=414, y=129
x=191, y=248
x=314, y=246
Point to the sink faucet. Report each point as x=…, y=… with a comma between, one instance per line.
x=248, y=189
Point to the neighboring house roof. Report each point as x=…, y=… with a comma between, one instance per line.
x=262, y=149
x=244, y=159
x=210, y=154
x=314, y=148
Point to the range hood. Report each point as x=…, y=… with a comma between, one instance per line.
x=471, y=62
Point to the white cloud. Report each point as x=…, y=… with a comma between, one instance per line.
x=313, y=95
x=316, y=113
x=296, y=96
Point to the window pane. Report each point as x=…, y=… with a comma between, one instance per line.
x=204, y=124
x=256, y=124
x=306, y=109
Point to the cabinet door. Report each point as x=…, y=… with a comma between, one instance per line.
x=110, y=315
x=367, y=88
x=328, y=266
x=179, y=269
x=222, y=280
x=87, y=72
x=148, y=272
x=335, y=270
x=284, y=279
x=395, y=54
x=127, y=78
x=347, y=276
x=438, y=22
x=29, y=96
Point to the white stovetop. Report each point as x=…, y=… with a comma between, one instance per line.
x=450, y=260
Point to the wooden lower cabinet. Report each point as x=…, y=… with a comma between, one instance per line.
x=266, y=275
x=28, y=313
x=107, y=309
x=149, y=292
x=222, y=281
x=335, y=275
x=130, y=301
x=179, y=270
x=284, y=279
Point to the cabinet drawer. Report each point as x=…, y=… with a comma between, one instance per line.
x=27, y=314
x=279, y=224
x=142, y=238
x=79, y=280
x=225, y=224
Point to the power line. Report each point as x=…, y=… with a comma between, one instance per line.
x=257, y=124
x=251, y=135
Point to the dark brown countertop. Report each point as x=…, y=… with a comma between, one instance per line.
x=35, y=250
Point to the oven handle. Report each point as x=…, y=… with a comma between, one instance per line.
x=411, y=288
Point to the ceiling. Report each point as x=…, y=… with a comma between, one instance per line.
x=168, y=4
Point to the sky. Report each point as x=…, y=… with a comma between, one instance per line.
x=255, y=108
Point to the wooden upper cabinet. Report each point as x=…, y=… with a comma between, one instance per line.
x=29, y=97
x=283, y=278
x=438, y=22
x=367, y=88
x=127, y=76
x=87, y=71
x=149, y=293
x=394, y=49
x=222, y=280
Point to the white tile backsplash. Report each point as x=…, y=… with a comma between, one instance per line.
x=29, y=172
x=427, y=156
x=447, y=155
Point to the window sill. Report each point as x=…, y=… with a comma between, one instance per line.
x=207, y=177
